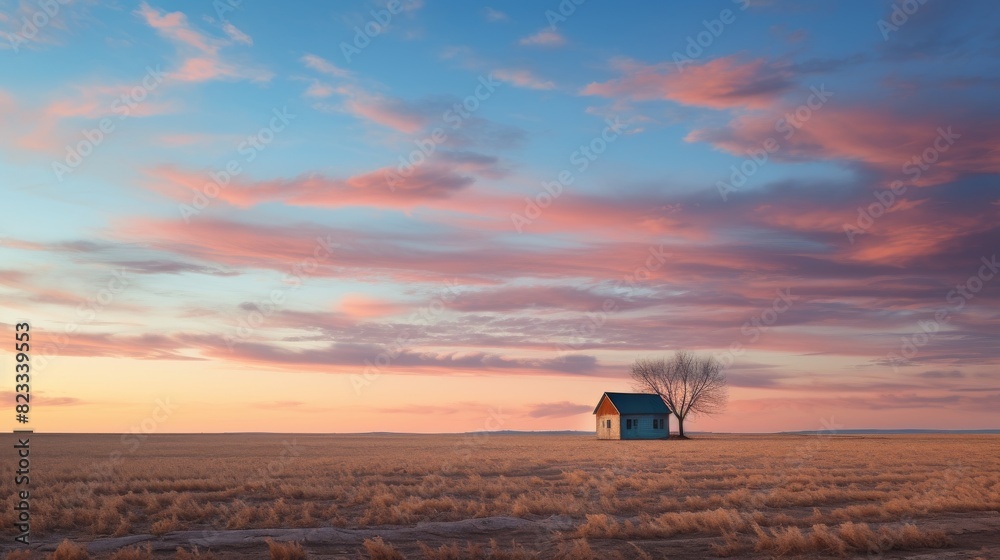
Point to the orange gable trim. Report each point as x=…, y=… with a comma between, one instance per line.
x=605, y=407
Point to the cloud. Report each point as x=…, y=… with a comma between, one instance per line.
x=429, y=116
x=560, y=409
x=201, y=58
x=494, y=15
x=538, y=298
x=942, y=374
x=544, y=38
x=41, y=399
x=32, y=288
x=523, y=78
x=406, y=361
x=925, y=401
x=444, y=178
x=389, y=112
x=852, y=300
x=723, y=83
x=236, y=35
x=148, y=346
x=324, y=66
x=203, y=69
x=51, y=126
x=280, y=405
x=161, y=266
x=359, y=306
x=174, y=26
x=20, y=29
x=869, y=135
x=319, y=90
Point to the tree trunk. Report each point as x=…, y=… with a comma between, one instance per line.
x=680, y=426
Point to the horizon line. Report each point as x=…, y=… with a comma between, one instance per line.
x=852, y=431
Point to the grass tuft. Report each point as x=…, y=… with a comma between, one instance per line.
x=378, y=549
x=134, y=553
x=286, y=550
x=69, y=550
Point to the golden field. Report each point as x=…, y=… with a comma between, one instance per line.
x=508, y=496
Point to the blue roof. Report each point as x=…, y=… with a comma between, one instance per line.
x=636, y=403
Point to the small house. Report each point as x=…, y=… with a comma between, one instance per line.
x=632, y=416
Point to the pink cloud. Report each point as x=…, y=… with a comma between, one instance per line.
x=202, y=60
x=523, y=78
x=236, y=34
x=203, y=69
x=723, y=83
x=559, y=409
x=387, y=112
x=40, y=398
x=324, y=66
x=174, y=26
x=544, y=38
x=385, y=187
x=319, y=89
x=360, y=306
x=49, y=131
x=236, y=244
x=494, y=15
x=878, y=137
x=28, y=287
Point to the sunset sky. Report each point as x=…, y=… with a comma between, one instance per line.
x=430, y=216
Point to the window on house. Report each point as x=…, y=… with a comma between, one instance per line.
x=608, y=425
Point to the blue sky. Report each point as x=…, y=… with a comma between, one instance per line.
x=648, y=133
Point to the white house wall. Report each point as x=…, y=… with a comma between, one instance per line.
x=603, y=432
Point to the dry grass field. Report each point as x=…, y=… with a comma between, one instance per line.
x=508, y=497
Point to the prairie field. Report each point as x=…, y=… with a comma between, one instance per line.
x=504, y=496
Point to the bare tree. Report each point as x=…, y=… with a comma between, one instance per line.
x=687, y=384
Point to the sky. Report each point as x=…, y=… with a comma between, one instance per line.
x=430, y=216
